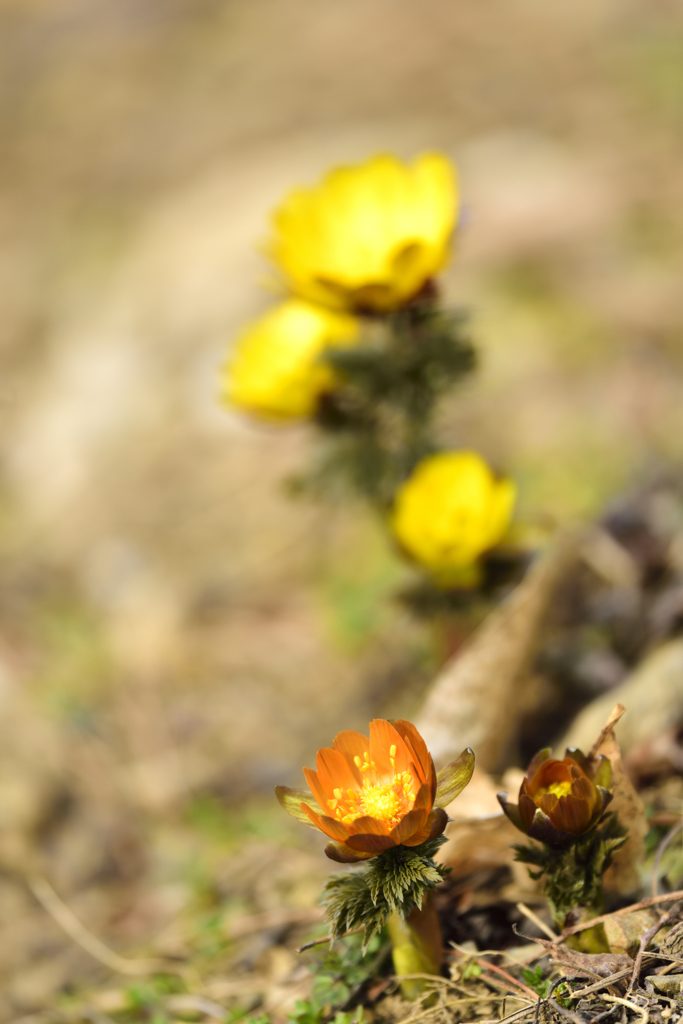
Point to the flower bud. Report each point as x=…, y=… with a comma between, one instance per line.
x=559, y=801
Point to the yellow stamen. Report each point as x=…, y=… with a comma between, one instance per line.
x=386, y=801
x=558, y=789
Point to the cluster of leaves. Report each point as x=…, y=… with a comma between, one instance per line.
x=573, y=876
x=395, y=880
x=542, y=986
x=379, y=422
x=340, y=972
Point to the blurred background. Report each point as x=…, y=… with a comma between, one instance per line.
x=178, y=634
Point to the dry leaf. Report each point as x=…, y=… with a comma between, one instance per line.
x=625, y=931
x=478, y=698
x=586, y=965
x=622, y=876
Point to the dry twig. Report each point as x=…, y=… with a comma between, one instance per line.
x=642, y=1010
x=535, y=919
x=645, y=941
x=649, y=901
x=67, y=920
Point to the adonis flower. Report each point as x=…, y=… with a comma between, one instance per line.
x=449, y=512
x=370, y=795
x=368, y=237
x=560, y=801
x=278, y=370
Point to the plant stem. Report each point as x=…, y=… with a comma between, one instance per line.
x=416, y=946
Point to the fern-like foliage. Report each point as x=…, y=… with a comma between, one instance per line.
x=396, y=880
x=378, y=423
x=573, y=876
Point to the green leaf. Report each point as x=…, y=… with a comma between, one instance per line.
x=292, y=799
x=453, y=778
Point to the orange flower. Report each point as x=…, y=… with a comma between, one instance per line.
x=370, y=795
x=560, y=800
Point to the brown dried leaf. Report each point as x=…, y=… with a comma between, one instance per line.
x=586, y=965
x=625, y=931
x=622, y=876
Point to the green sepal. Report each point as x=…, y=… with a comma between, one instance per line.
x=512, y=811
x=453, y=778
x=292, y=799
x=578, y=755
x=537, y=760
x=603, y=777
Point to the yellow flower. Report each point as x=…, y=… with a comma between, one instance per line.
x=368, y=237
x=449, y=512
x=278, y=370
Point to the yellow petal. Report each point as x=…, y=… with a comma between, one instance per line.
x=449, y=512
x=368, y=236
x=277, y=369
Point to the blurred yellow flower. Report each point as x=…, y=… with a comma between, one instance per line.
x=368, y=237
x=277, y=370
x=449, y=512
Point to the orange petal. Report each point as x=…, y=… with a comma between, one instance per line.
x=583, y=789
x=431, y=778
x=333, y=771
x=352, y=744
x=423, y=800
x=333, y=829
x=409, y=733
x=549, y=773
x=411, y=823
x=537, y=760
x=527, y=808
x=383, y=737
x=344, y=854
x=548, y=803
x=412, y=763
x=572, y=815
x=370, y=842
x=433, y=827
x=368, y=824
x=316, y=789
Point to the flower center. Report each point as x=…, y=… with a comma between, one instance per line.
x=388, y=802
x=382, y=801
x=558, y=789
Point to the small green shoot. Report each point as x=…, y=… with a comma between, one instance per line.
x=533, y=977
x=338, y=972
